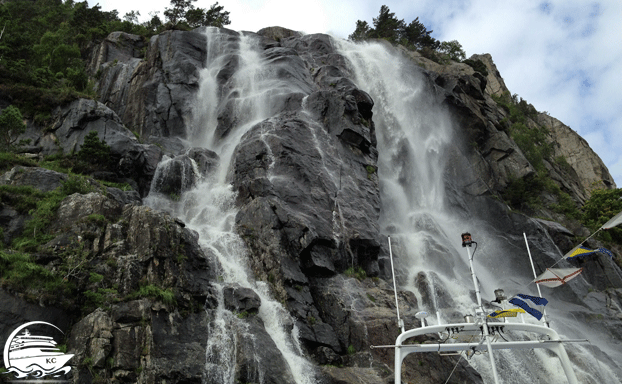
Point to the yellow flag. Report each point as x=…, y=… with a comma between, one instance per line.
x=506, y=313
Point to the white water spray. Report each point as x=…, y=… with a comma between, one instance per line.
x=414, y=136
x=210, y=209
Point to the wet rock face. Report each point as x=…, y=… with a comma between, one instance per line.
x=131, y=161
x=145, y=340
x=154, y=95
x=181, y=173
x=309, y=167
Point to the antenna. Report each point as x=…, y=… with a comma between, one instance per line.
x=467, y=241
x=400, y=322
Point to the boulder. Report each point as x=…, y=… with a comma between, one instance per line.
x=73, y=122
x=42, y=179
x=240, y=299
x=175, y=176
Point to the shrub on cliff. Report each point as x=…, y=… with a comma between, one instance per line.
x=11, y=126
x=602, y=206
x=94, y=150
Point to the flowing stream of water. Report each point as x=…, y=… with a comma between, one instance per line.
x=414, y=139
x=414, y=136
x=209, y=208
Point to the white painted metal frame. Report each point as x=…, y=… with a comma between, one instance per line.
x=482, y=328
x=554, y=343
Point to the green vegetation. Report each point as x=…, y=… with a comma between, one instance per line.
x=533, y=141
x=102, y=297
x=11, y=126
x=22, y=198
x=477, y=65
x=87, y=362
x=370, y=171
x=167, y=296
x=19, y=271
x=9, y=159
x=95, y=277
x=358, y=273
x=22, y=270
x=602, y=206
x=43, y=207
x=94, y=150
x=351, y=350
x=414, y=36
x=97, y=219
x=535, y=191
x=243, y=315
x=183, y=13
x=44, y=44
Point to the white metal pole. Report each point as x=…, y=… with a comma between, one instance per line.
x=535, y=276
x=400, y=323
x=485, y=325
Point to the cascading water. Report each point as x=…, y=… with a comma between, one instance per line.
x=209, y=208
x=414, y=138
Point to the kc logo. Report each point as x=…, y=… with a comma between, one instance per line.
x=34, y=355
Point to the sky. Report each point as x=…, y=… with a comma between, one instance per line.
x=562, y=56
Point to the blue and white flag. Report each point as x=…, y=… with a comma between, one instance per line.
x=606, y=252
x=517, y=300
x=534, y=299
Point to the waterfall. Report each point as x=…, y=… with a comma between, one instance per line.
x=415, y=137
x=235, y=87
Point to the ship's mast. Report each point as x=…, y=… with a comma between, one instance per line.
x=467, y=241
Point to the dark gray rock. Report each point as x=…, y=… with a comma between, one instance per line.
x=291, y=83
x=124, y=197
x=313, y=189
x=140, y=164
x=205, y=159
x=73, y=122
x=258, y=358
x=11, y=222
x=278, y=33
x=77, y=207
x=240, y=299
x=154, y=95
x=174, y=176
x=178, y=352
x=42, y=179
x=561, y=235
x=15, y=311
x=171, y=146
x=118, y=47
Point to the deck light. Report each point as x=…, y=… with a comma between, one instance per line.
x=466, y=239
x=499, y=295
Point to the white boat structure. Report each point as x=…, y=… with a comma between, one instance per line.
x=27, y=351
x=481, y=327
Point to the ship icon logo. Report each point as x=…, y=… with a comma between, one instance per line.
x=30, y=355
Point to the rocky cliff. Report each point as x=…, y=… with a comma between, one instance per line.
x=149, y=295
